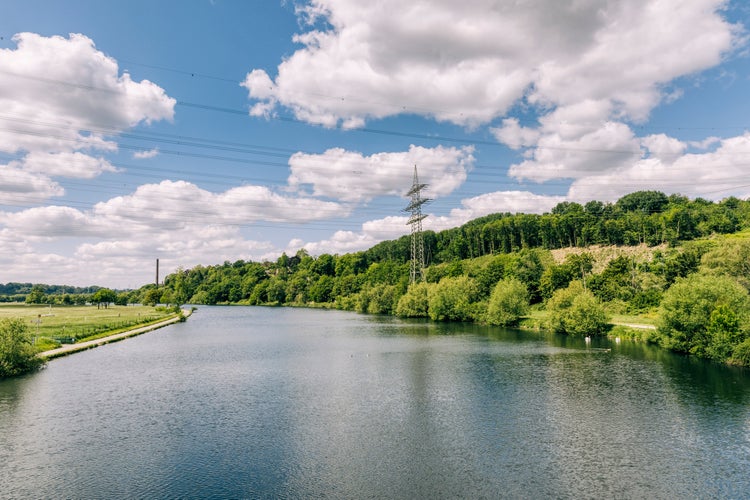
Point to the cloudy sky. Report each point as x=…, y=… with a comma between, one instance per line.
x=199, y=131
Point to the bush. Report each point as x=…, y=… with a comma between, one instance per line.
x=508, y=303
x=705, y=315
x=414, y=303
x=378, y=299
x=17, y=354
x=741, y=354
x=453, y=299
x=575, y=311
x=383, y=299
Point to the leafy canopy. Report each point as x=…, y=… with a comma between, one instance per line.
x=17, y=354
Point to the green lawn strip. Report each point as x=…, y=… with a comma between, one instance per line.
x=628, y=319
x=50, y=326
x=115, y=331
x=625, y=326
x=109, y=337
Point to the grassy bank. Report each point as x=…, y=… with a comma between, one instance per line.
x=53, y=326
x=640, y=328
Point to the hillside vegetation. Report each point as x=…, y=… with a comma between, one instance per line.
x=667, y=257
x=684, y=262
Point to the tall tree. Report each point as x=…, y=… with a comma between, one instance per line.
x=17, y=353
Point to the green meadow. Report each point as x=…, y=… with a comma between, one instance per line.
x=55, y=325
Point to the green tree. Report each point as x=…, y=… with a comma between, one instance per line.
x=453, y=299
x=325, y=265
x=741, y=354
x=276, y=293
x=575, y=311
x=705, y=315
x=347, y=285
x=122, y=299
x=17, y=354
x=508, y=303
x=555, y=277
x=724, y=332
x=167, y=297
x=297, y=286
x=37, y=295
x=732, y=258
x=104, y=297
x=616, y=281
x=152, y=296
x=647, y=202
x=322, y=289
x=180, y=286
x=489, y=275
x=383, y=299
x=351, y=263
x=414, y=303
x=528, y=266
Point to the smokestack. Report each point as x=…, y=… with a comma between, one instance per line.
x=157, y=272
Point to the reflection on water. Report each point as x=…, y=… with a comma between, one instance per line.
x=256, y=402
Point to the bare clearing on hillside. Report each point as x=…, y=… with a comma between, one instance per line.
x=603, y=254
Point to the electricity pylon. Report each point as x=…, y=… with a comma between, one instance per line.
x=416, y=271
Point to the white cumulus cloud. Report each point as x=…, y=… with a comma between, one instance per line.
x=144, y=155
x=61, y=92
x=20, y=187
x=74, y=165
x=351, y=176
x=60, y=100
x=470, y=62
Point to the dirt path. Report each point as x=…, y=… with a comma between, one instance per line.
x=637, y=325
x=90, y=344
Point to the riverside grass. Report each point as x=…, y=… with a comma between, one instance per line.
x=51, y=325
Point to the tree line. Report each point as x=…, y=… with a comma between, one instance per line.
x=643, y=217
x=63, y=295
x=493, y=269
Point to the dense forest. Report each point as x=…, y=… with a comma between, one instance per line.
x=684, y=261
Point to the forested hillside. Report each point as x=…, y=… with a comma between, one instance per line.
x=685, y=262
x=648, y=217
x=485, y=249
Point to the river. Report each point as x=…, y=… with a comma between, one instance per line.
x=251, y=402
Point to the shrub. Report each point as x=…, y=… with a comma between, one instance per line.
x=741, y=354
x=705, y=315
x=383, y=299
x=574, y=310
x=508, y=303
x=414, y=303
x=453, y=299
x=17, y=354
x=378, y=299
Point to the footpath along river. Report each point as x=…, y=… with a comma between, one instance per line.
x=68, y=349
x=292, y=403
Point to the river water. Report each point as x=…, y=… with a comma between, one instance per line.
x=294, y=403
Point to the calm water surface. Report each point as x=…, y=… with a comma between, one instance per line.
x=293, y=403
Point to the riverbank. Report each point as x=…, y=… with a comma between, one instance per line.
x=90, y=344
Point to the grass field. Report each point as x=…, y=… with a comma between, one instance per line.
x=51, y=326
x=537, y=317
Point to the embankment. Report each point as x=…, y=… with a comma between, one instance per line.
x=90, y=344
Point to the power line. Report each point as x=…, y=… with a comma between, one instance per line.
x=291, y=119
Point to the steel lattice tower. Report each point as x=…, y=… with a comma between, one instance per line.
x=416, y=272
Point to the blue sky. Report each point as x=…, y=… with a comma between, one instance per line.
x=203, y=131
